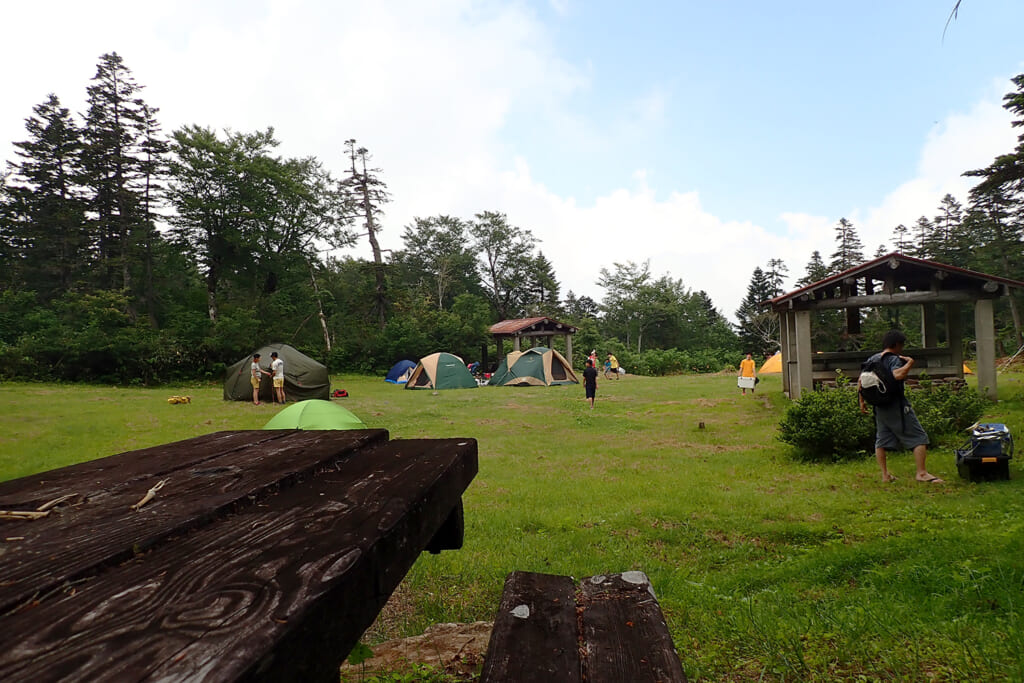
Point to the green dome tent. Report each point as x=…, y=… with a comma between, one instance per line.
x=539, y=366
x=441, y=371
x=304, y=378
x=314, y=414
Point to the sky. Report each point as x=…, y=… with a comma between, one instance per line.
x=704, y=137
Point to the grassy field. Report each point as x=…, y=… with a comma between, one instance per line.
x=765, y=568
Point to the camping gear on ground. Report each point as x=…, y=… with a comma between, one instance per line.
x=745, y=382
x=441, y=371
x=304, y=378
x=175, y=400
x=988, y=453
x=339, y=393
x=539, y=366
x=314, y=414
x=400, y=372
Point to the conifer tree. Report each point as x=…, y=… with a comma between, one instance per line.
x=117, y=124
x=849, y=251
x=45, y=211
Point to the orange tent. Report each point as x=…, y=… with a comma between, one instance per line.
x=772, y=365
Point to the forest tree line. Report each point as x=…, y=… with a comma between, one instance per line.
x=134, y=256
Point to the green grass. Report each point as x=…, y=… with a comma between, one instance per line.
x=765, y=567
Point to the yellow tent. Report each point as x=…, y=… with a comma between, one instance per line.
x=772, y=365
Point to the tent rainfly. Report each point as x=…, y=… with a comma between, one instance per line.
x=304, y=378
x=400, y=372
x=441, y=371
x=539, y=366
x=773, y=365
x=314, y=414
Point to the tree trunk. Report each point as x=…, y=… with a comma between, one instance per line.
x=320, y=308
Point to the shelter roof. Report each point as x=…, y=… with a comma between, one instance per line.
x=899, y=271
x=537, y=324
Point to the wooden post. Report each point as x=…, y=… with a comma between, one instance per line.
x=985, y=333
x=515, y=343
x=929, y=331
x=568, y=349
x=804, y=373
x=785, y=320
x=955, y=336
x=499, y=341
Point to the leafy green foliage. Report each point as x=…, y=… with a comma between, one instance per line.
x=827, y=426
x=945, y=412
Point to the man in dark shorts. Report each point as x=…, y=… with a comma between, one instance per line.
x=895, y=423
x=590, y=382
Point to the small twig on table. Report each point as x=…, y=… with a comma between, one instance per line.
x=150, y=495
x=55, y=502
x=22, y=514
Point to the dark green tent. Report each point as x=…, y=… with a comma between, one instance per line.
x=539, y=366
x=304, y=378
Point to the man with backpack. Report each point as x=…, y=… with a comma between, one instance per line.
x=881, y=385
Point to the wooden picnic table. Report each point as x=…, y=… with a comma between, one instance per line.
x=262, y=555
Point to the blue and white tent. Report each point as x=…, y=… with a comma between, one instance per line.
x=400, y=372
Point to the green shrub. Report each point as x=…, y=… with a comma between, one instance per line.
x=827, y=426
x=945, y=412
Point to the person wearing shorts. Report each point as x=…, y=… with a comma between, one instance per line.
x=255, y=375
x=896, y=424
x=590, y=382
x=612, y=366
x=277, y=367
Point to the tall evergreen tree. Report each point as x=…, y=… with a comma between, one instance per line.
x=943, y=245
x=849, y=250
x=816, y=270
x=922, y=236
x=758, y=328
x=45, y=208
x=117, y=125
x=901, y=239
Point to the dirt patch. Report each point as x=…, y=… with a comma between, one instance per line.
x=458, y=649
x=705, y=402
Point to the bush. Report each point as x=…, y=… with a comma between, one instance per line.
x=944, y=412
x=827, y=426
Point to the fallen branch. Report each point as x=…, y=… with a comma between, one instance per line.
x=150, y=495
x=23, y=514
x=56, y=501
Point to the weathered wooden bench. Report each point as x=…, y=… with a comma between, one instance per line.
x=264, y=555
x=608, y=629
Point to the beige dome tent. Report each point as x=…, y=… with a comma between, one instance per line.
x=539, y=366
x=441, y=371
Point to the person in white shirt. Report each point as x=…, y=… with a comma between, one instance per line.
x=277, y=367
x=254, y=377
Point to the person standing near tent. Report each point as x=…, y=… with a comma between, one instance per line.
x=896, y=423
x=255, y=372
x=277, y=367
x=747, y=370
x=590, y=382
x=611, y=365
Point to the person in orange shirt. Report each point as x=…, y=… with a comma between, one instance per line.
x=747, y=370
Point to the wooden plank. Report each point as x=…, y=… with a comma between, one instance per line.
x=625, y=632
x=125, y=467
x=535, y=635
x=79, y=540
x=280, y=590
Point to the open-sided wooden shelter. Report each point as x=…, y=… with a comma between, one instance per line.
x=892, y=280
x=534, y=329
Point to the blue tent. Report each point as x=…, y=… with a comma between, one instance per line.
x=400, y=371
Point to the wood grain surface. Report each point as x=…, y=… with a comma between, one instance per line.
x=613, y=622
x=277, y=587
x=535, y=635
x=203, y=477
